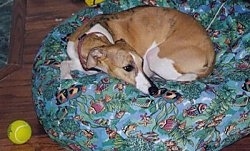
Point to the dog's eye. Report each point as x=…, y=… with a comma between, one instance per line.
x=128, y=68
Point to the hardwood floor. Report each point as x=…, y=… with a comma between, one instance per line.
x=33, y=20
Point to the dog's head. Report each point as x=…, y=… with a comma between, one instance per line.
x=120, y=60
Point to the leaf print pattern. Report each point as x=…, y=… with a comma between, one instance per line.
x=99, y=112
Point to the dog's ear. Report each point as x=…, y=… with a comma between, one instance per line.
x=95, y=55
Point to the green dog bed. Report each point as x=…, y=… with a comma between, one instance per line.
x=99, y=112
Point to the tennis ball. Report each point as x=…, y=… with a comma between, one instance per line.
x=93, y=2
x=19, y=132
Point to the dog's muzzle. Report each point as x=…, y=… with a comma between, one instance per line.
x=153, y=90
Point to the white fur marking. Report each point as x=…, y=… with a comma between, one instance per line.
x=142, y=83
x=161, y=66
x=99, y=28
x=146, y=68
x=65, y=70
x=72, y=64
x=187, y=77
x=75, y=61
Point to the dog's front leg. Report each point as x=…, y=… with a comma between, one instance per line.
x=69, y=65
x=65, y=70
x=162, y=67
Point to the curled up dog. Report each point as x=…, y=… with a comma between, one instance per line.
x=139, y=43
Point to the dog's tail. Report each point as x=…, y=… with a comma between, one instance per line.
x=81, y=30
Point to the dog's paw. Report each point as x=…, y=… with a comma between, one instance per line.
x=187, y=77
x=65, y=69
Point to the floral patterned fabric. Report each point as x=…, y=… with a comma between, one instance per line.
x=99, y=112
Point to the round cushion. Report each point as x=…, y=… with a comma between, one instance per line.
x=99, y=112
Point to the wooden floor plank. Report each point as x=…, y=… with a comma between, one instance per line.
x=15, y=89
x=36, y=143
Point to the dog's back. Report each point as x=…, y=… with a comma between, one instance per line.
x=179, y=37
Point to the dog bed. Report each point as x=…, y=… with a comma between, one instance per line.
x=99, y=112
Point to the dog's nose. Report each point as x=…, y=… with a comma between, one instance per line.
x=153, y=90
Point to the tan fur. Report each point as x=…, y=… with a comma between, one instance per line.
x=179, y=38
x=92, y=41
x=112, y=60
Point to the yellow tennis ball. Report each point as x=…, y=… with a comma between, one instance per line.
x=19, y=132
x=93, y=2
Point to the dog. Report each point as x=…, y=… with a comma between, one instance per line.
x=139, y=43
